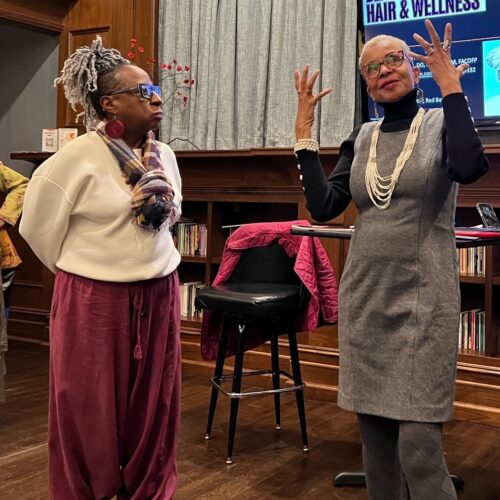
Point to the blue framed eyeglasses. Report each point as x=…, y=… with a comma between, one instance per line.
x=145, y=90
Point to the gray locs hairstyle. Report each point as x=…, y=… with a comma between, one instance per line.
x=380, y=38
x=88, y=74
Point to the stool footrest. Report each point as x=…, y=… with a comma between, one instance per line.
x=250, y=373
x=263, y=392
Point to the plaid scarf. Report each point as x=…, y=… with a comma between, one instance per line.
x=152, y=194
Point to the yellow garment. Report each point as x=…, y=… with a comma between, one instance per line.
x=3, y=346
x=13, y=185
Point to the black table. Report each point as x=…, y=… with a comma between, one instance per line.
x=358, y=478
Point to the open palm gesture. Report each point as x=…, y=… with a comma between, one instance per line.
x=307, y=101
x=438, y=59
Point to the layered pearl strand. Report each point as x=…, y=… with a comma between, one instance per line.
x=380, y=188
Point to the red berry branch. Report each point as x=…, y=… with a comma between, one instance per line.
x=180, y=79
x=178, y=75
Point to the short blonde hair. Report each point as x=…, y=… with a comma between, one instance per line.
x=380, y=38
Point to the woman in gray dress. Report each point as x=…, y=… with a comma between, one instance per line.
x=399, y=297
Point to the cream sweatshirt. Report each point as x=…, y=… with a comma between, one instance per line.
x=77, y=216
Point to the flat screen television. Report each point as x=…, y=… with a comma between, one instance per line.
x=476, y=40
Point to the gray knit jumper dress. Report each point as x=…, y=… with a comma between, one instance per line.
x=399, y=296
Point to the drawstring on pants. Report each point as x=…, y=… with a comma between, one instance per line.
x=138, y=305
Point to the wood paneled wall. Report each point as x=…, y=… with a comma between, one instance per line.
x=116, y=21
x=78, y=22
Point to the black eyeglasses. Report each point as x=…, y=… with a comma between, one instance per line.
x=145, y=90
x=392, y=61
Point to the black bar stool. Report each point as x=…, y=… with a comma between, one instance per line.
x=265, y=292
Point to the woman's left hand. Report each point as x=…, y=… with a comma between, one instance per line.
x=307, y=102
x=438, y=59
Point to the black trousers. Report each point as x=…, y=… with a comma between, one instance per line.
x=404, y=460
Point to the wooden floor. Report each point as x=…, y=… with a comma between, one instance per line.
x=267, y=463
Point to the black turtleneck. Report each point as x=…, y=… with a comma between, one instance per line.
x=463, y=154
x=398, y=115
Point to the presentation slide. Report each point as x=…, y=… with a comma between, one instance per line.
x=476, y=41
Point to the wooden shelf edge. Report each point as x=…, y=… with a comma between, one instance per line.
x=253, y=152
x=478, y=362
x=471, y=279
x=31, y=156
x=492, y=148
x=214, y=153
x=479, y=414
x=227, y=153
x=193, y=259
x=191, y=321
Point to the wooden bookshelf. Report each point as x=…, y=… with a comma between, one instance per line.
x=267, y=181
x=233, y=187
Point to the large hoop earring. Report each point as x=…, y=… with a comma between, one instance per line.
x=114, y=128
x=420, y=96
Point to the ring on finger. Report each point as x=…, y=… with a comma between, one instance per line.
x=429, y=50
x=446, y=44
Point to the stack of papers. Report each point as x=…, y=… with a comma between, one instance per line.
x=327, y=231
x=476, y=232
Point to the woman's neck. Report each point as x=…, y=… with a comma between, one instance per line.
x=134, y=141
x=405, y=108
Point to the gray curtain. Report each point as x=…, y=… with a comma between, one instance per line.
x=242, y=54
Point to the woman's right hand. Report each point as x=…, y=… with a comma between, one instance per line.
x=307, y=102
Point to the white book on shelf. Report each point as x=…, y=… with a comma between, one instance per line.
x=186, y=297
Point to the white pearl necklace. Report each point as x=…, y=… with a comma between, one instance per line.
x=380, y=187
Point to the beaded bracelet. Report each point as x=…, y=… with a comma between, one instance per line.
x=309, y=144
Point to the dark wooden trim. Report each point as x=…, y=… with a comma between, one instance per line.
x=43, y=15
x=35, y=22
x=30, y=156
x=227, y=153
x=249, y=153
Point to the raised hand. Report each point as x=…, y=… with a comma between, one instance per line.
x=307, y=101
x=438, y=59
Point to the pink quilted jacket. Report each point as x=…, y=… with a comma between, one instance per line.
x=312, y=265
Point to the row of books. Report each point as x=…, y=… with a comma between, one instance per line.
x=471, y=332
x=472, y=261
x=191, y=239
x=188, y=292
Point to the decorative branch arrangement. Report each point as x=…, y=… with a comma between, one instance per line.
x=176, y=74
